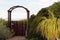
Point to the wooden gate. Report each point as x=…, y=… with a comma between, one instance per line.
x=20, y=28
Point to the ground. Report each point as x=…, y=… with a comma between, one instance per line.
x=17, y=38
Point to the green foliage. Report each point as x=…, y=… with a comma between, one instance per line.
x=46, y=24
x=31, y=18
x=32, y=26
x=43, y=14
x=24, y=20
x=47, y=27
x=5, y=32
x=55, y=8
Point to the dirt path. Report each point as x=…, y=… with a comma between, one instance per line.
x=18, y=38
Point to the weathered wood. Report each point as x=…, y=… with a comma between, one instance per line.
x=19, y=28
x=9, y=18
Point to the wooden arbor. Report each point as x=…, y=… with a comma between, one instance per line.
x=9, y=15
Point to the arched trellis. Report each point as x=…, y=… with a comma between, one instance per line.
x=9, y=15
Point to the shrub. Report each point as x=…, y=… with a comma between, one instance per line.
x=46, y=24
x=5, y=32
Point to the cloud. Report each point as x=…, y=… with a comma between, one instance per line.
x=33, y=5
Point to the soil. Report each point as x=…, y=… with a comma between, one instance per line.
x=17, y=38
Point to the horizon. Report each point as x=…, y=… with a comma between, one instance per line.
x=32, y=5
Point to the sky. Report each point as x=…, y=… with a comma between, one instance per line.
x=19, y=13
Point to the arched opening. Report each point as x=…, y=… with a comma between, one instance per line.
x=18, y=14
x=24, y=33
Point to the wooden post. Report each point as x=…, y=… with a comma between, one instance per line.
x=9, y=19
x=27, y=24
